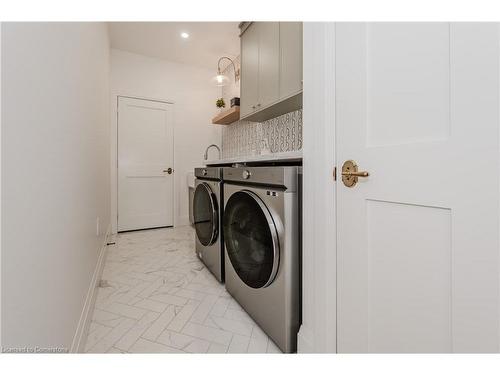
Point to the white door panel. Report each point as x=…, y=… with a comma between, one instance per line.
x=417, y=107
x=145, y=152
x=414, y=296
x=407, y=83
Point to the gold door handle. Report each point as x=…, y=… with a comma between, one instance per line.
x=356, y=174
x=168, y=170
x=350, y=173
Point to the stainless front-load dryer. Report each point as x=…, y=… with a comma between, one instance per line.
x=207, y=215
x=262, y=247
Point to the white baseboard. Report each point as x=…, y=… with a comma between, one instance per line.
x=305, y=340
x=79, y=339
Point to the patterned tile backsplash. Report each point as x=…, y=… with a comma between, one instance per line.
x=246, y=138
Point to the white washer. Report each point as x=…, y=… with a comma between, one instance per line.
x=207, y=215
x=262, y=247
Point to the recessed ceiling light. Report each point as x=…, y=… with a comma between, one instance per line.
x=185, y=35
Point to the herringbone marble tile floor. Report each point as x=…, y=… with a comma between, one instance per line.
x=161, y=299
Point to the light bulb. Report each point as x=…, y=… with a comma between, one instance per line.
x=221, y=80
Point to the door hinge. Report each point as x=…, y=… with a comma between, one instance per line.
x=334, y=173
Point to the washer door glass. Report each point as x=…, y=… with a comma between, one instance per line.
x=205, y=214
x=251, y=239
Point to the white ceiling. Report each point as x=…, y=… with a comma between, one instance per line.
x=206, y=43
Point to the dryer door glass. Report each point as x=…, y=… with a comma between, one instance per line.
x=205, y=214
x=251, y=239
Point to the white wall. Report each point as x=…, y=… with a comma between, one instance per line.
x=193, y=95
x=55, y=176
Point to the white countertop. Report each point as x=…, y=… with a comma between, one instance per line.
x=277, y=156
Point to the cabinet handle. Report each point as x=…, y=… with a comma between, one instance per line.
x=253, y=107
x=258, y=105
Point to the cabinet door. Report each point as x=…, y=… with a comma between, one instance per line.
x=290, y=58
x=269, y=45
x=249, y=70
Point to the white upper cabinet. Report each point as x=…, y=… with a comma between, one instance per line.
x=290, y=59
x=271, y=69
x=249, y=86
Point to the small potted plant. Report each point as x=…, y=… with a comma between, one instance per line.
x=220, y=103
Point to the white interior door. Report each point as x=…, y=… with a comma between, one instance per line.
x=417, y=107
x=145, y=164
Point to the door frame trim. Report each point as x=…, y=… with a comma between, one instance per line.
x=115, y=97
x=318, y=332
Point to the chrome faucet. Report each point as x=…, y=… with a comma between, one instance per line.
x=212, y=145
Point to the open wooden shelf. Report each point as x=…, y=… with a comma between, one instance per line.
x=228, y=116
